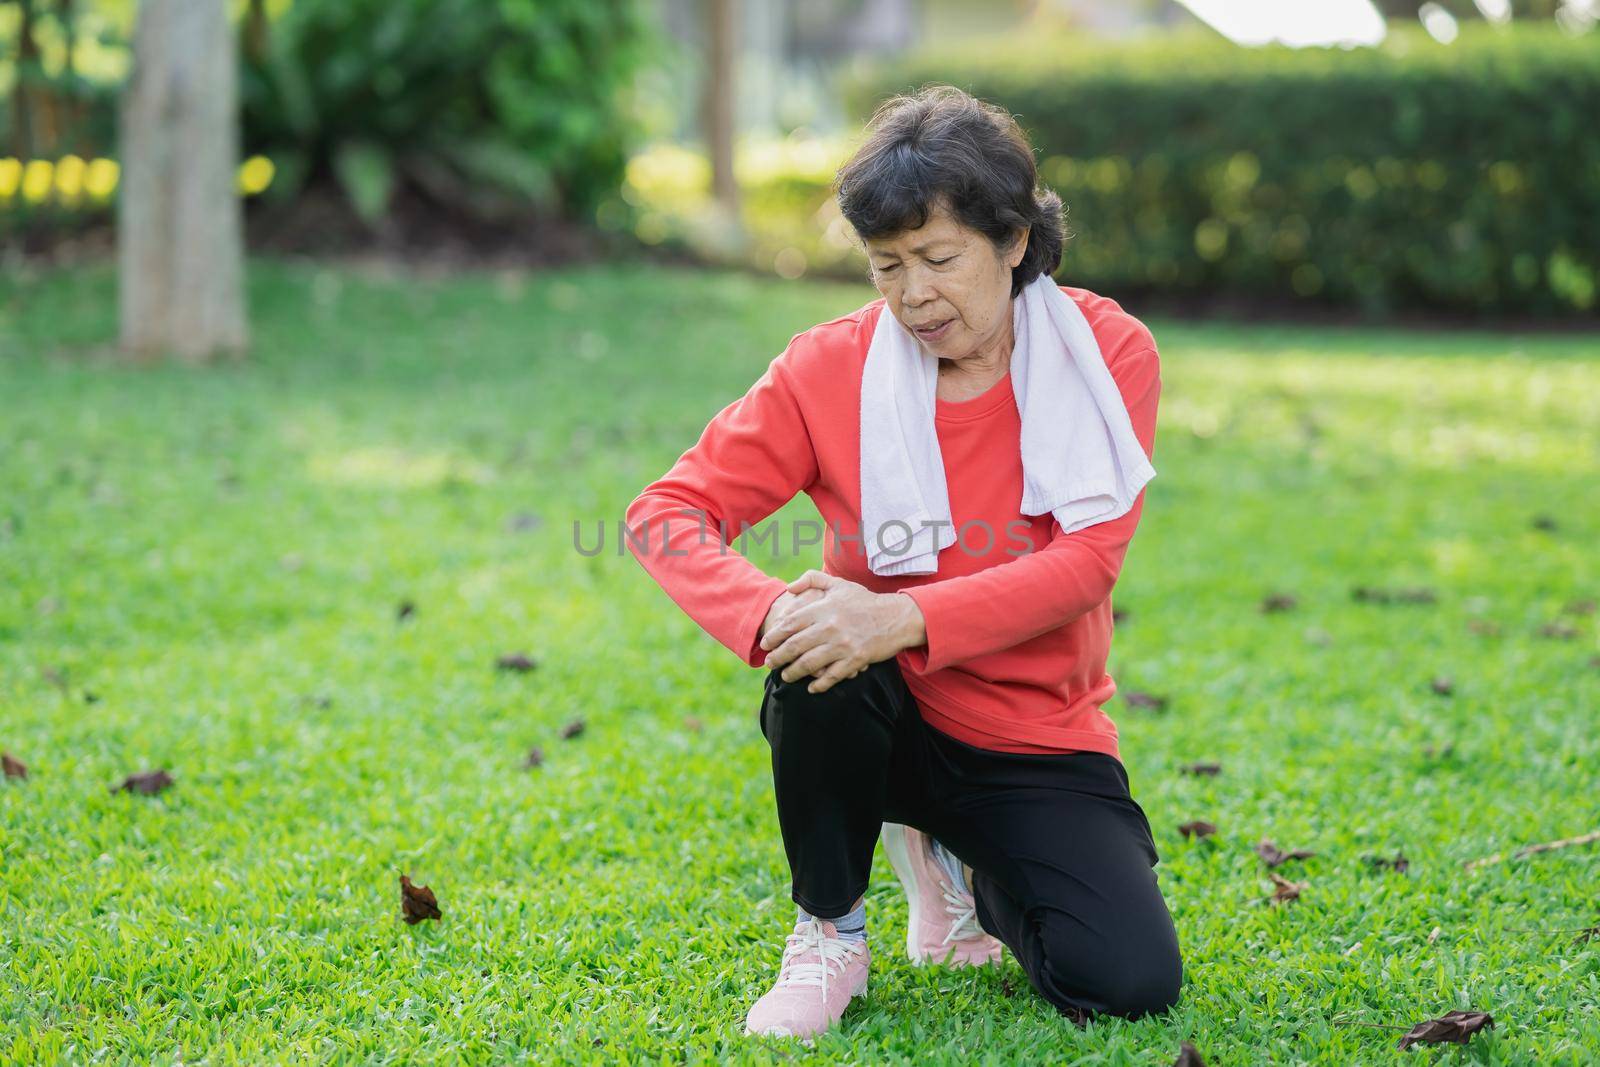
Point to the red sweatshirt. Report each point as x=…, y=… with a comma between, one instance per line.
x=1018, y=624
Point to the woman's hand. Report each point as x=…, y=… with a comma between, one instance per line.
x=781, y=607
x=839, y=634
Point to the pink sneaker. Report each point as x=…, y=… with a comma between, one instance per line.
x=944, y=921
x=820, y=973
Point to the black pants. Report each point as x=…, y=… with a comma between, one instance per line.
x=1061, y=854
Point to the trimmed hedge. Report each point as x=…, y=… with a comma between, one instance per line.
x=1413, y=175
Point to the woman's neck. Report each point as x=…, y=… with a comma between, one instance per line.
x=970, y=376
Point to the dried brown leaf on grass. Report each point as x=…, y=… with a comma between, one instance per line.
x=1273, y=603
x=1284, y=890
x=147, y=782
x=1416, y=594
x=417, y=902
x=1139, y=699
x=1453, y=1027
x=1275, y=856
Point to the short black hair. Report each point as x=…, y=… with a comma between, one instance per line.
x=943, y=144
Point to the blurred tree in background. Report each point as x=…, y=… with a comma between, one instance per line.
x=179, y=234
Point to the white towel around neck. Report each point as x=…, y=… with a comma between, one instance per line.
x=1080, y=457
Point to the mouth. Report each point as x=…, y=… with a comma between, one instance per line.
x=933, y=332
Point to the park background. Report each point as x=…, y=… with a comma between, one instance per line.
x=312, y=371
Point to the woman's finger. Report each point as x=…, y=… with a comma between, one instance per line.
x=812, y=579
x=836, y=672
x=792, y=647
x=810, y=661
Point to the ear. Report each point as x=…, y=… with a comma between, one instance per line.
x=1021, y=247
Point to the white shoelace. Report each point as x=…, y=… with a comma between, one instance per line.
x=964, y=910
x=833, y=952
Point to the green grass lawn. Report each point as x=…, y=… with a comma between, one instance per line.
x=201, y=570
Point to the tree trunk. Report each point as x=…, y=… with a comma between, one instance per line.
x=718, y=111
x=27, y=75
x=255, y=32
x=179, y=225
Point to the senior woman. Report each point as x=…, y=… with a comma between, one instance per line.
x=949, y=699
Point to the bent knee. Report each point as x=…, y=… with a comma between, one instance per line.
x=1152, y=990
x=1132, y=986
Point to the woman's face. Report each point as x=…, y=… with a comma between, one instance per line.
x=947, y=285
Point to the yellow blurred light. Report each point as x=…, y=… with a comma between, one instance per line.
x=10, y=177
x=1107, y=173
x=1431, y=175
x=37, y=177
x=1360, y=182
x=1570, y=279
x=668, y=172
x=789, y=263
x=1288, y=241
x=1061, y=170
x=100, y=179
x=69, y=178
x=1211, y=239
x=1243, y=169
x=255, y=174
x=1506, y=177
x=651, y=228
x=1306, y=280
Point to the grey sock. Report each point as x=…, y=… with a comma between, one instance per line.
x=952, y=866
x=851, y=927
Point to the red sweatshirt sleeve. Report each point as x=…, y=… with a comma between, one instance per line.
x=1011, y=602
x=751, y=459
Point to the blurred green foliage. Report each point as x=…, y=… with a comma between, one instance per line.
x=496, y=107
x=1412, y=175
x=490, y=105
x=61, y=62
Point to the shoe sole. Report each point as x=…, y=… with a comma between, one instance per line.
x=899, y=853
x=894, y=846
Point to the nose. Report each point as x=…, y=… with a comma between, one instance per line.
x=918, y=288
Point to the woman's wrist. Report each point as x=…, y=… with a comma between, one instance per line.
x=911, y=629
